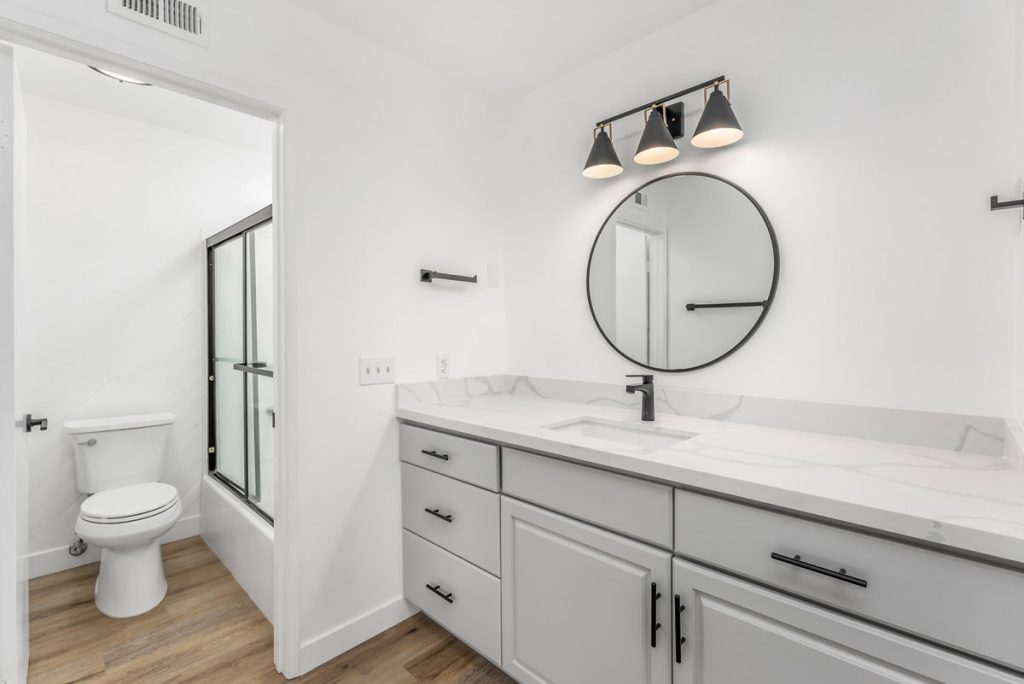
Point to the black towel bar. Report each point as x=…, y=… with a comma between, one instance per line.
x=427, y=276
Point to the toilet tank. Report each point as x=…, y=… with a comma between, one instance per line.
x=119, y=451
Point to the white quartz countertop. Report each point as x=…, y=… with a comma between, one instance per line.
x=964, y=501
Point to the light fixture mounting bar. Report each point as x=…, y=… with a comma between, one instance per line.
x=661, y=101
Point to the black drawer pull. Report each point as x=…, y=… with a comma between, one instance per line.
x=436, y=588
x=840, y=575
x=435, y=454
x=655, y=625
x=680, y=639
x=436, y=512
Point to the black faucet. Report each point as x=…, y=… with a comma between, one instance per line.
x=647, y=389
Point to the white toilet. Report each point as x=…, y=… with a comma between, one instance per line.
x=120, y=461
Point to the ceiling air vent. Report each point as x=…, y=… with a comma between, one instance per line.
x=179, y=18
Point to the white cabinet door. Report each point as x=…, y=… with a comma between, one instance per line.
x=581, y=605
x=730, y=632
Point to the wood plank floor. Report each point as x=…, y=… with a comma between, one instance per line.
x=208, y=630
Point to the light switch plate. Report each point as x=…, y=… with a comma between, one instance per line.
x=376, y=370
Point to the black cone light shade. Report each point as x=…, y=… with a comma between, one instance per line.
x=602, y=162
x=656, y=144
x=718, y=126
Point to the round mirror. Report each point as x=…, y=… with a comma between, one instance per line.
x=682, y=272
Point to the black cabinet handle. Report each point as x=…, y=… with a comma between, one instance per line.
x=680, y=639
x=435, y=454
x=436, y=588
x=840, y=575
x=436, y=512
x=655, y=625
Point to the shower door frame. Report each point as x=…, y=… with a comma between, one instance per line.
x=249, y=223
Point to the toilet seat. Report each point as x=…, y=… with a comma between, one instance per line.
x=128, y=504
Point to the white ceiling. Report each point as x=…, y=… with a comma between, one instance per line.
x=504, y=49
x=60, y=79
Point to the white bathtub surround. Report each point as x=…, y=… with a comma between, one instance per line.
x=242, y=540
x=974, y=434
x=963, y=501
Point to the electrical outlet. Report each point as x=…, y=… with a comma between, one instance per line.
x=377, y=370
x=443, y=368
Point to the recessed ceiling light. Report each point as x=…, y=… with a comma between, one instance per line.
x=119, y=77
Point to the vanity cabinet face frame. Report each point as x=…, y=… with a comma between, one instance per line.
x=735, y=631
x=580, y=604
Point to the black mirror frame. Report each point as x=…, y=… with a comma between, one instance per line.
x=768, y=301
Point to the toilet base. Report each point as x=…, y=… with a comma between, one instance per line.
x=131, y=580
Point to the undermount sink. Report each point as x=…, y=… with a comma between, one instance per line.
x=622, y=433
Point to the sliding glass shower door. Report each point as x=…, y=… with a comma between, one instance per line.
x=240, y=290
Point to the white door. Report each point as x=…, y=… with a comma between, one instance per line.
x=13, y=478
x=727, y=631
x=581, y=605
x=631, y=292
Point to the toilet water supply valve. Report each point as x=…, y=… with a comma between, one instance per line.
x=78, y=547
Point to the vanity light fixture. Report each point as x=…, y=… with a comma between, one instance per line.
x=602, y=162
x=663, y=124
x=656, y=144
x=120, y=78
x=718, y=126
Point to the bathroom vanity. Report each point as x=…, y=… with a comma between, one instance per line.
x=569, y=542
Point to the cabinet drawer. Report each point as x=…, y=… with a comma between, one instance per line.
x=637, y=508
x=465, y=600
x=458, y=457
x=735, y=631
x=454, y=515
x=965, y=604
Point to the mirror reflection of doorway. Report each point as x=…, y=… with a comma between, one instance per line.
x=640, y=329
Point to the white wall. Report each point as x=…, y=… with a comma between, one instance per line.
x=875, y=133
x=1014, y=221
x=374, y=189
x=112, y=272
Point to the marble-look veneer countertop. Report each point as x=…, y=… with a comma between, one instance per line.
x=966, y=502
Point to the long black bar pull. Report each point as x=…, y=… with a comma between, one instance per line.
x=436, y=512
x=435, y=454
x=680, y=639
x=724, y=305
x=655, y=625
x=804, y=565
x=446, y=595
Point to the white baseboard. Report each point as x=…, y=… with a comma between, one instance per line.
x=342, y=638
x=54, y=560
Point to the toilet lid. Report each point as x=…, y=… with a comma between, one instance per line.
x=129, y=503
